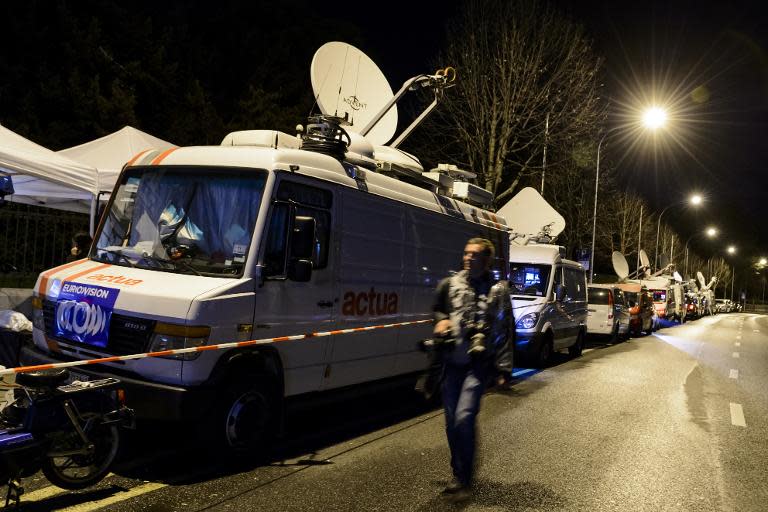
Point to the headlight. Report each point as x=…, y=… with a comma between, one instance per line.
x=528, y=321
x=172, y=337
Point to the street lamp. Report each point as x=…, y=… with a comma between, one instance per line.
x=711, y=232
x=653, y=118
x=695, y=200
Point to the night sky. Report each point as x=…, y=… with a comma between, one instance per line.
x=708, y=62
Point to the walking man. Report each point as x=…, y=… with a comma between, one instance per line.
x=476, y=313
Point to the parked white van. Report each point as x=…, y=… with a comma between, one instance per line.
x=549, y=300
x=204, y=245
x=608, y=314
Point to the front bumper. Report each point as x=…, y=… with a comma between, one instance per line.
x=149, y=400
x=527, y=343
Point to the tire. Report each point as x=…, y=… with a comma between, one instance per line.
x=80, y=471
x=544, y=353
x=577, y=348
x=614, y=336
x=244, y=421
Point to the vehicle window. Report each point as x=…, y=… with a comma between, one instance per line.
x=529, y=279
x=296, y=199
x=599, y=296
x=181, y=219
x=575, y=285
x=630, y=299
x=618, y=296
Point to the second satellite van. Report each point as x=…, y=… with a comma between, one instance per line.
x=549, y=292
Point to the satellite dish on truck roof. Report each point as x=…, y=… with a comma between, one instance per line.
x=702, y=281
x=528, y=214
x=678, y=277
x=620, y=265
x=644, y=261
x=347, y=83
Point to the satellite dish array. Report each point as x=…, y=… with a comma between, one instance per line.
x=359, y=119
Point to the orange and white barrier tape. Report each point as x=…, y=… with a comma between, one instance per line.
x=220, y=346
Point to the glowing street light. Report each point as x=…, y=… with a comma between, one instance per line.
x=695, y=200
x=654, y=118
x=763, y=261
x=731, y=249
x=711, y=232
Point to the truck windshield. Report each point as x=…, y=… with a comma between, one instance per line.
x=529, y=279
x=194, y=220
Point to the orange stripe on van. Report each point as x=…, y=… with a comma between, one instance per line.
x=84, y=272
x=48, y=273
x=162, y=156
x=136, y=157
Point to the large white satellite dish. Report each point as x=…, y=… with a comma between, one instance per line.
x=620, y=265
x=528, y=213
x=678, y=277
x=346, y=82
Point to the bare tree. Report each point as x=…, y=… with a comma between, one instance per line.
x=520, y=65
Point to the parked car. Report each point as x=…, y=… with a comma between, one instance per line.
x=608, y=314
x=642, y=313
x=723, y=305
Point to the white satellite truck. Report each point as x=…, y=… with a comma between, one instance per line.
x=266, y=236
x=549, y=292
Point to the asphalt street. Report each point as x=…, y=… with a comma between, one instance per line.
x=673, y=421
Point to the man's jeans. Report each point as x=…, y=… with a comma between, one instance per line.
x=462, y=389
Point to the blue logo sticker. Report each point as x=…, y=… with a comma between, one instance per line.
x=83, y=312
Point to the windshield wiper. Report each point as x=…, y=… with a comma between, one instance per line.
x=120, y=255
x=174, y=263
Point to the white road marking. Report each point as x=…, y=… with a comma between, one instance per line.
x=737, y=415
x=734, y=374
x=737, y=344
x=735, y=355
x=116, y=498
x=48, y=492
x=738, y=337
x=756, y=330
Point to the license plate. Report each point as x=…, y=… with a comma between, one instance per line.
x=73, y=376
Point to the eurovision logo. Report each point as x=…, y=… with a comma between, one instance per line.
x=83, y=312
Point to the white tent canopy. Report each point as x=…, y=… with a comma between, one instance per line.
x=108, y=154
x=43, y=177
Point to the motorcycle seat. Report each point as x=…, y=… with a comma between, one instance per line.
x=43, y=379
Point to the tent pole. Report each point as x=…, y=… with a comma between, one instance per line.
x=92, y=225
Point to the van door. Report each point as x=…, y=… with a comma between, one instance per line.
x=285, y=306
x=575, y=301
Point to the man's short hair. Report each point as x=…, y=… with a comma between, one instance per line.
x=487, y=245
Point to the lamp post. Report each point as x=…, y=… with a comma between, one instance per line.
x=695, y=200
x=653, y=118
x=710, y=232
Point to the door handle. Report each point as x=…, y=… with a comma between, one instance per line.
x=325, y=304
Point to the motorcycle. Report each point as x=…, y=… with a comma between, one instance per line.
x=69, y=431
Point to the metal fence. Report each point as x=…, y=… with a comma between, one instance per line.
x=33, y=239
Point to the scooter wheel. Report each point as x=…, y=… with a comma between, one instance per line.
x=82, y=470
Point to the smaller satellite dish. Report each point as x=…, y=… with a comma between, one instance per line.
x=677, y=277
x=347, y=83
x=644, y=261
x=701, y=279
x=663, y=261
x=620, y=265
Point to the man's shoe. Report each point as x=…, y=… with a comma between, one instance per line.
x=462, y=494
x=454, y=487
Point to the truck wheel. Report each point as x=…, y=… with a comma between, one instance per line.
x=245, y=418
x=576, y=349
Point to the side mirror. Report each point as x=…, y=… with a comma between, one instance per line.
x=299, y=270
x=303, y=237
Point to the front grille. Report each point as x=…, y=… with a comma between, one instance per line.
x=127, y=334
